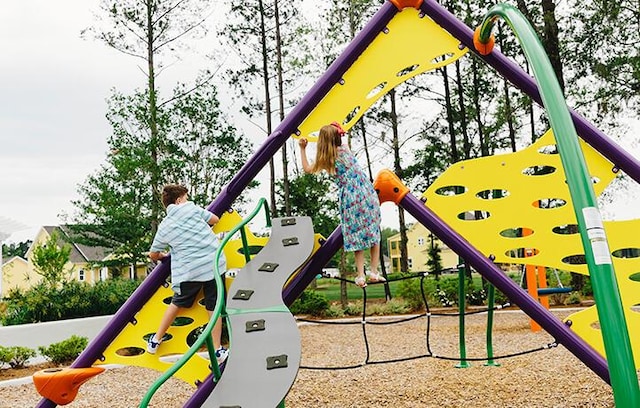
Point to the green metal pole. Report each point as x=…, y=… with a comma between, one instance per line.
x=617, y=344
x=491, y=293
x=461, y=309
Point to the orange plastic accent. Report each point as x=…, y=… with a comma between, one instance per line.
x=61, y=385
x=482, y=48
x=389, y=187
x=401, y=4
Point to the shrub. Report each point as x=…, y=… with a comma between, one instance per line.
x=16, y=356
x=310, y=302
x=73, y=299
x=65, y=351
x=409, y=290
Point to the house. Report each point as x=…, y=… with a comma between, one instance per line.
x=419, y=241
x=86, y=263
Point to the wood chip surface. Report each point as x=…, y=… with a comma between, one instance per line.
x=547, y=378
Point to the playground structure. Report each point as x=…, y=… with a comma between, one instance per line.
x=379, y=58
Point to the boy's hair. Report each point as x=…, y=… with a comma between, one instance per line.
x=171, y=192
x=327, y=150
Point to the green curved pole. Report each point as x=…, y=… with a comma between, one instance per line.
x=205, y=336
x=462, y=305
x=624, y=379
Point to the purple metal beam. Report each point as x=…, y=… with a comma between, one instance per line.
x=561, y=333
x=589, y=133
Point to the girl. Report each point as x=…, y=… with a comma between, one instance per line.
x=359, y=205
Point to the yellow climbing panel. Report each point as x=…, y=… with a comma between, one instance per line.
x=488, y=200
x=410, y=45
x=129, y=348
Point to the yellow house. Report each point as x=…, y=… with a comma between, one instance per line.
x=85, y=263
x=419, y=240
x=15, y=275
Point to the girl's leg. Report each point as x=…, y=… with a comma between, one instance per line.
x=360, y=279
x=375, y=258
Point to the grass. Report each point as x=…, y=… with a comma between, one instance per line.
x=331, y=289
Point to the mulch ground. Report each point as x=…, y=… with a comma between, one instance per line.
x=547, y=378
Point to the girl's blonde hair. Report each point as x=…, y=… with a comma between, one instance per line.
x=327, y=150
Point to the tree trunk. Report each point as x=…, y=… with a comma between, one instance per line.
x=156, y=205
x=550, y=39
x=447, y=100
x=397, y=168
x=285, y=163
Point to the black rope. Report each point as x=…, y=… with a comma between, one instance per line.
x=363, y=322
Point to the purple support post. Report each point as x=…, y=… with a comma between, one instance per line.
x=561, y=333
x=507, y=68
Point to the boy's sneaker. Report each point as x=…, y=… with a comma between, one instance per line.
x=152, y=344
x=221, y=355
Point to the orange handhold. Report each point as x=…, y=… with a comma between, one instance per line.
x=61, y=385
x=483, y=48
x=401, y=4
x=389, y=187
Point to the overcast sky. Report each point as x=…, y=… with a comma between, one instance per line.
x=53, y=88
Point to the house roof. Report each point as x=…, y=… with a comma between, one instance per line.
x=14, y=259
x=79, y=252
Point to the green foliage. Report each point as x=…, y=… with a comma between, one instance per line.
x=310, y=302
x=309, y=195
x=409, y=290
x=50, y=259
x=65, y=351
x=12, y=249
x=16, y=356
x=73, y=299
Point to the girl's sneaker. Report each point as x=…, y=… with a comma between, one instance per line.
x=152, y=344
x=221, y=355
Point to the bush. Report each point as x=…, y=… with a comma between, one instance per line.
x=65, y=351
x=73, y=299
x=16, y=356
x=409, y=290
x=310, y=302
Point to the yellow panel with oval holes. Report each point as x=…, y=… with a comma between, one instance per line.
x=129, y=346
x=486, y=199
x=411, y=45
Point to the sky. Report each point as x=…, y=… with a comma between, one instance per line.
x=53, y=91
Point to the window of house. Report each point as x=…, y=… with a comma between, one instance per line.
x=421, y=241
x=81, y=276
x=394, y=244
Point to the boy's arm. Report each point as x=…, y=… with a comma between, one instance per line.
x=213, y=219
x=157, y=255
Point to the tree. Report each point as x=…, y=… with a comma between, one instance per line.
x=310, y=195
x=13, y=249
x=270, y=40
x=50, y=259
x=146, y=30
x=434, y=263
x=198, y=148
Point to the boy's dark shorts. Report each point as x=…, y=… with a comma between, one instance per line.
x=189, y=291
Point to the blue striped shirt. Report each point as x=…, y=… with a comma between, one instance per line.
x=192, y=243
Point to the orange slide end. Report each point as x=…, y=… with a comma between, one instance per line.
x=401, y=4
x=482, y=48
x=389, y=187
x=61, y=385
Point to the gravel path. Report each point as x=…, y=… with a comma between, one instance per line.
x=549, y=378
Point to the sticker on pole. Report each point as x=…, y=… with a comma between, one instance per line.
x=597, y=236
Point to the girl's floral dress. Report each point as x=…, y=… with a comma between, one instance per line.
x=359, y=205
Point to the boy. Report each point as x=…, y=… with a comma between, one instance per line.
x=186, y=230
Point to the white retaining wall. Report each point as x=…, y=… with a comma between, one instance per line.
x=35, y=335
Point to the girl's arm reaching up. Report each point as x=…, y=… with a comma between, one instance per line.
x=303, y=155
